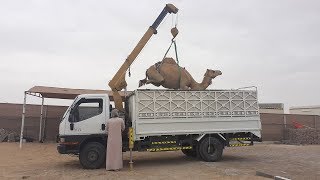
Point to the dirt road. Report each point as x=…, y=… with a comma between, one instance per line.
x=41, y=161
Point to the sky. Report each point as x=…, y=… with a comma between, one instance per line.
x=271, y=44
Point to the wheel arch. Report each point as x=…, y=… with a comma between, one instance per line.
x=218, y=136
x=98, y=139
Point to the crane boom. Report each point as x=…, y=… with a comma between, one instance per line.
x=118, y=81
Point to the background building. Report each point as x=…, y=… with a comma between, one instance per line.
x=308, y=110
x=273, y=108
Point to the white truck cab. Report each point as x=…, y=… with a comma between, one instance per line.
x=82, y=130
x=87, y=115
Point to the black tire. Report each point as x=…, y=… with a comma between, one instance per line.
x=189, y=152
x=214, y=153
x=92, y=155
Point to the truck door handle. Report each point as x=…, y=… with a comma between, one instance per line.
x=71, y=126
x=103, y=127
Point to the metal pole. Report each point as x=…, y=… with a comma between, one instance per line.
x=23, y=117
x=131, y=146
x=285, y=121
x=44, y=129
x=131, y=162
x=40, y=128
x=284, y=137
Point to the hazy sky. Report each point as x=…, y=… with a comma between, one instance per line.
x=271, y=44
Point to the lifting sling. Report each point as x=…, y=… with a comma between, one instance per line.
x=174, y=32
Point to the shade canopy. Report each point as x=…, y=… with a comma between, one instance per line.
x=68, y=93
x=57, y=93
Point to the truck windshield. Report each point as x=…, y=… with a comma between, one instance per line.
x=69, y=108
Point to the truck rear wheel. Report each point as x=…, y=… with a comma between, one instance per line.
x=92, y=155
x=210, y=150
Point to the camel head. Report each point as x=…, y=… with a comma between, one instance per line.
x=212, y=73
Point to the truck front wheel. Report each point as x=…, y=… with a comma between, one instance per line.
x=92, y=155
x=210, y=149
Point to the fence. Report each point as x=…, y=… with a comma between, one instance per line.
x=10, y=119
x=273, y=125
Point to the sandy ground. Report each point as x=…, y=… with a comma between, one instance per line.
x=42, y=161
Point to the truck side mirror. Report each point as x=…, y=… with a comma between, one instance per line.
x=71, y=126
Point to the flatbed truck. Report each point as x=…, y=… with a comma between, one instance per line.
x=199, y=123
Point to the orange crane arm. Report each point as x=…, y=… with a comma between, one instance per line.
x=118, y=81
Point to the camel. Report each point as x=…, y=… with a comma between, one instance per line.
x=169, y=74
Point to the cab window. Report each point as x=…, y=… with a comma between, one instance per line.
x=87, y=108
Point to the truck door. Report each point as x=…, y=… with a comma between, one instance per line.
x=87, y=116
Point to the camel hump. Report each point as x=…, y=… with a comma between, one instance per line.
x=169, y=61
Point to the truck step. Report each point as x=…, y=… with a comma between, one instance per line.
x=168, y=148
x=242, y=144
x=241, y=139
x=164, y=142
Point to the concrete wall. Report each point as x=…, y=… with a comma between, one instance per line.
x=273, y=125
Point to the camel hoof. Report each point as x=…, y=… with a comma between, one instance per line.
x=141, y=83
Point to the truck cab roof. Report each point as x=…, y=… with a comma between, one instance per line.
x=92, y=95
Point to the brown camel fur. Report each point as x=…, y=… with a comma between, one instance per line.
x=169, y=74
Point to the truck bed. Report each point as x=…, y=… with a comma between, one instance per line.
x=173, y=112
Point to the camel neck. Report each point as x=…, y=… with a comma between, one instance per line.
x=206, y=81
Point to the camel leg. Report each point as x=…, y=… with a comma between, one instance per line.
x=149, y=81
x=184, y=87
x=154, y=77
x=143, y=82
x=154, y=83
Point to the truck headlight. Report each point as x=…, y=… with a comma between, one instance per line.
x=62, y=140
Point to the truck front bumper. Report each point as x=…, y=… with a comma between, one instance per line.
x=68, y=149
x=62, y=149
